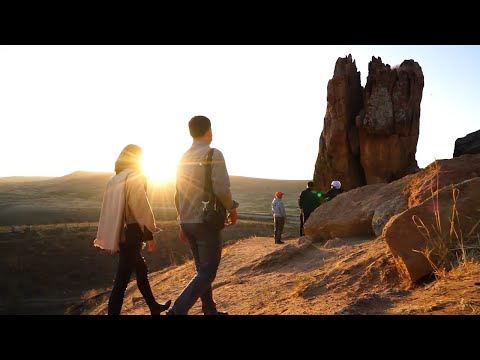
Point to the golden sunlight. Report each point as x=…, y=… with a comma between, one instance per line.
x=159, y=169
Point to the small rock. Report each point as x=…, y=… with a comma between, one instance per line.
x=305, y=239
x=334, y=243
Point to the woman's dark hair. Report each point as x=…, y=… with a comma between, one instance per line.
x=199, y=125
x=129, y=158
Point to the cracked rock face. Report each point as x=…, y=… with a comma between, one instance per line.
x=370, y=135
x=388, y=132
x=338, y=156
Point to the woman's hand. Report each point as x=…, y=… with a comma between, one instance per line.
x=151, y=245
x=182, y=236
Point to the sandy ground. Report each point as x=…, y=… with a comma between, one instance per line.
x=349, y=276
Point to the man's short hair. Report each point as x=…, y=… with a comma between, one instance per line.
x=310, y=184
x=199, y=125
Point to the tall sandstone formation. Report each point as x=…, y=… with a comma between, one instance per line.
x=338, y=156
x=370, y=135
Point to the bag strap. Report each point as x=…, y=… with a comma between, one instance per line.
x=126, y=202
x=207, y=187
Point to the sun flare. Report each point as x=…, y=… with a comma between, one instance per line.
x=159, y=169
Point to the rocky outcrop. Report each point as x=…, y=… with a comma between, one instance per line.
x=469, y=144
x=338, y=156
x=351, y=213
x=427, y=228
x=389, y=210
x=370, y=136
x=364, y=211
x=388, y=130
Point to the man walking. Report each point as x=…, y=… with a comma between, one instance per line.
x=204, y=241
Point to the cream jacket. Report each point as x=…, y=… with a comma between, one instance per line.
x=125, y=188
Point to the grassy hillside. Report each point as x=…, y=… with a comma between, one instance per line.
x=53, y=264
x=77, y=197
x=256, y=195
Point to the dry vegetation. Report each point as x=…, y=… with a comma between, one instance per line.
x=48, y=268
x=51, y=267
x=447, y=246
x=257, y=277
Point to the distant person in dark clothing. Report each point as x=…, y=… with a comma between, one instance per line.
x=335, y=189
x=308, y=201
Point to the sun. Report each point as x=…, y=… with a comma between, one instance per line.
x=159, y=169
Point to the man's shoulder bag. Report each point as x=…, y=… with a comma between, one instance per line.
x=214, y=214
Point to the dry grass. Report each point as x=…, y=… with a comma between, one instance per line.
x=447, y=246
x=402, y=271
x=302, y=284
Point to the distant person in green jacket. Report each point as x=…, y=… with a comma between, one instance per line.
x=308, y=201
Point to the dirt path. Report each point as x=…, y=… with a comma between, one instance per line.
x=355, y=276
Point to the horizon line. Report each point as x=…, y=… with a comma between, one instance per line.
x=112, y=172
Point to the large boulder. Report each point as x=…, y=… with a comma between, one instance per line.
x=388, y=208
x=351, y=213
x=439, y=174
x=409, y=240
x=388, y=128
x=469, y=144
x=338, y=156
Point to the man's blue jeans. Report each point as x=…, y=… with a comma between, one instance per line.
x=206, y=247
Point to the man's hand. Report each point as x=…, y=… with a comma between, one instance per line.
x=151, y=245
x=183, y=237
x=231, y=218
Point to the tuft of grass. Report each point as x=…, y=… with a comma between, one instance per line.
x=302, y=284
x=466, y=305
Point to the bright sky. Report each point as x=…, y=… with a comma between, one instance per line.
x=68, y=108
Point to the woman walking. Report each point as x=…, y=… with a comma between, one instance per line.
x=126, y=222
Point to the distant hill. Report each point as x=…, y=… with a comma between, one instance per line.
x=18, y=179
x=79, y=183
x=77, y=197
